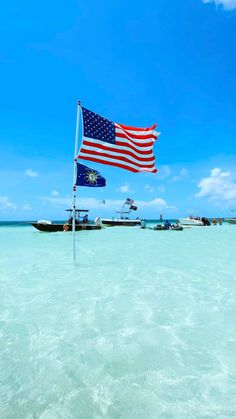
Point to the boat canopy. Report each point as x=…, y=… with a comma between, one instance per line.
x=77, y=210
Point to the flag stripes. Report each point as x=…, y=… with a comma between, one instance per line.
x=123, y=149
x=120, y=156
x=110, y=162
x=127, y=147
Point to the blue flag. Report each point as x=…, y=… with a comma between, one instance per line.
x=89, y=177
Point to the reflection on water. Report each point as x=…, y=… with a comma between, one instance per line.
x=142, y=326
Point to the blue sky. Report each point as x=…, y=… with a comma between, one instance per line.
x=136, y=63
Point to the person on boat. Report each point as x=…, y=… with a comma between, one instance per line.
x=65, y=227
x=70, y=221
x=85, y=219
x=176, y=225
x=205, y=221
x=167, y=225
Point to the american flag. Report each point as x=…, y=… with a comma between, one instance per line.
x=129, y=201
x=117, y=145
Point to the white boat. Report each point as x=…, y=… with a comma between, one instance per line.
x=191, y=221
x=231, y=220
x=123, y=219
x=125, y=222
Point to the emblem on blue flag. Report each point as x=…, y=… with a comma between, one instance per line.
x=89, y=177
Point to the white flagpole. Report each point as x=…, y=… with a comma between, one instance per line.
x=75, y=176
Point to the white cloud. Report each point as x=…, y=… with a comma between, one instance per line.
x=219, y=186
x=156, y=203
x=55, y=193
x=27, y=207
x=149, y=188
x=31, y=173
x=163, y=171
x=227, y=4
x=125, y=188
x=5, y=203
x=161, y=188
x=182, y=174
x=110, y=204
x=56, y=201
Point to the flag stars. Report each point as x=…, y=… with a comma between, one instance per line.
x=98, y=127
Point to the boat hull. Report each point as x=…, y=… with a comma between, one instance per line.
x=190, y=222
x=123, y=223
x=50, y=228
x=231, y=220
x=162, y=228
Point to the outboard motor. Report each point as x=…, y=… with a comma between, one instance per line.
x=98, y=221
x=205, y=221
x=143, y=224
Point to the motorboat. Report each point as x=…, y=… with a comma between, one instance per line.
x=123, y=219
x=194, y=221
x=191, y=221
x=161, y=227
x=81, y=223
x=231, y=220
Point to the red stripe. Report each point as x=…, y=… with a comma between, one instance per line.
x=109, y=156
x=116, y=150
x=137, y=137
x=122, y=166
x=119, y=143
x=133, y=142
x=135, y=128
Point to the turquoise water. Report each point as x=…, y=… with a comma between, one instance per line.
x=143, y=326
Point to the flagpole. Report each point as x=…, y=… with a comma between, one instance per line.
x=75, y=176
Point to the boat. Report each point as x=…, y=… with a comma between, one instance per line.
x=123, y=219
x=191, y=221
x=81, y=223
x=161, y=227
x=231, y=220
x=194, y=221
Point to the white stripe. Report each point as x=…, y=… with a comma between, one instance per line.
x=118, y=147
x=137, y=140
x=140, y=133
x=131, y=131
x=117, y=154
x=137, y=147
x=106, y=159
x=125, y=142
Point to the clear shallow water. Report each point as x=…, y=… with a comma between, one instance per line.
x=143, y=326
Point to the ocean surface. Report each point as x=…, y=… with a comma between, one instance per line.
x=143, y=326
